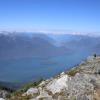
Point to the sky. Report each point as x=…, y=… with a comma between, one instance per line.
x=50, y=15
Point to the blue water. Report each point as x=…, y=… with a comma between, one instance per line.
x=27, y=69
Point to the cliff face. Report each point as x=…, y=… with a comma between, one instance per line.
x=80, y=83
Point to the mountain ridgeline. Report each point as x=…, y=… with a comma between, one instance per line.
x=19, y=45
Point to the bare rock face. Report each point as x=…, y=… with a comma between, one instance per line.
x=2, y=99
x=3, y=94
x=57, y=85
x=32, y=91
x=80, y=87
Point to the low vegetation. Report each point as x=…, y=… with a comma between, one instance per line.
x=17, y=95
x=6, y=88
x=73, y=71
x=28, y=85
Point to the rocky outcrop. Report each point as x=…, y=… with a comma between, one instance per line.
x=31, y=91
x=3, y=94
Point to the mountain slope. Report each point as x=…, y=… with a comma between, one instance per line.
x=16, y=46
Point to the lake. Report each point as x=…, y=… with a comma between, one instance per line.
x=26, y=69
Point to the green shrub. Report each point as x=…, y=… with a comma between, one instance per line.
x=72, y=72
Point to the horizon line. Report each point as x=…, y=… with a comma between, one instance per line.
x=56, y=32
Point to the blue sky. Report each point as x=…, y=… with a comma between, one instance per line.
x=30, y=15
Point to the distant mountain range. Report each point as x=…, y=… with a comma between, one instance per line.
x=17, y=45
